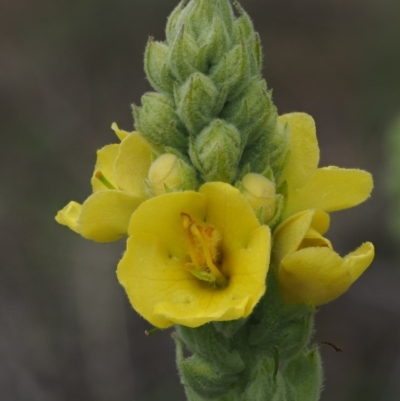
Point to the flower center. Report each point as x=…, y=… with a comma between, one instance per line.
x=203, y=250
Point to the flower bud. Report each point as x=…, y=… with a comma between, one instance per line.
x=183, y=56
x=253, y=113
x=169, y=173
x=218, y=40
x=172, y=27
x=233, y=71
x=216, y=152
x=158, y=123
x=245, y=32
x=260, y=193
x=156, y=67
x=304, y=375
x=197, y=102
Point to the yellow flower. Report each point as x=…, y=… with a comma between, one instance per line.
x=308, y=269
x=118, y=189
x=195, y=257
x=308, y=187
x=310, y=272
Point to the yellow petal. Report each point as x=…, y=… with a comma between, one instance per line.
x=228, y=210
x=69, y=215
x=331, y=189
x=357, y=262
x=105, y=215
x=304, y=150
x=121, y=134
x=313, y=276
x=164, y=293
x=104, y=163
x=161, y=216
x=248, y=268
x=291, y=233
x=132, y=164
x=153, y=272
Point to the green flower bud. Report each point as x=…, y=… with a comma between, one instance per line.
x=256, y=155
x=212, y=345
x=197, y=16
x=198, y=103
x=205, y=379
x=216, y=152
x=169, y=173
x=172, y=28
x=260, y=193
x=253, y=112
x=245, y=32
x=304, y=375
x=184, y=57
x=155, y=64
x=279, y=150
x=288, y=327
x=218, y=40
x=266, y=383
x=158, y=122
x=232, y=71
x=227, y=15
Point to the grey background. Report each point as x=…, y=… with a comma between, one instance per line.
x=68, y=69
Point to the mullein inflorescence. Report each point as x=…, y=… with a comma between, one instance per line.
x=211, y=106
x=225, y=210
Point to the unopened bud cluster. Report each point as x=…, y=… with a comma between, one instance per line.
x=211, y=106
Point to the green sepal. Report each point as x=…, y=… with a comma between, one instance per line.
x=155, y=65
x=266, y=384
x=226, y=11
x=211, y=345
x=216, y=152
x=158, y=122
x=304, y=375
x=245, y=31
x=183, y=56
x=258, y=51
x=197, y=102
x=232, y=71
x=218, y=40
x=243, y=25
x=230, y=328
x=279, y=150
x=197, y=16
x=172, y=27
x=253, y=112
x=256, y=155
x=276, y=324
x=210, y=376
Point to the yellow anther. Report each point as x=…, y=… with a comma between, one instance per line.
x=201, y=253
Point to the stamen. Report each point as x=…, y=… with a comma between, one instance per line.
x=201, y=254
x=99, y=175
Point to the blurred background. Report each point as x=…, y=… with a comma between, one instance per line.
x=68, y=69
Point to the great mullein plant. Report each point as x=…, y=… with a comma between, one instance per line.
x=225, y=210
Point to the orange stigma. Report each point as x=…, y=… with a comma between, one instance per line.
x=99, y=175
